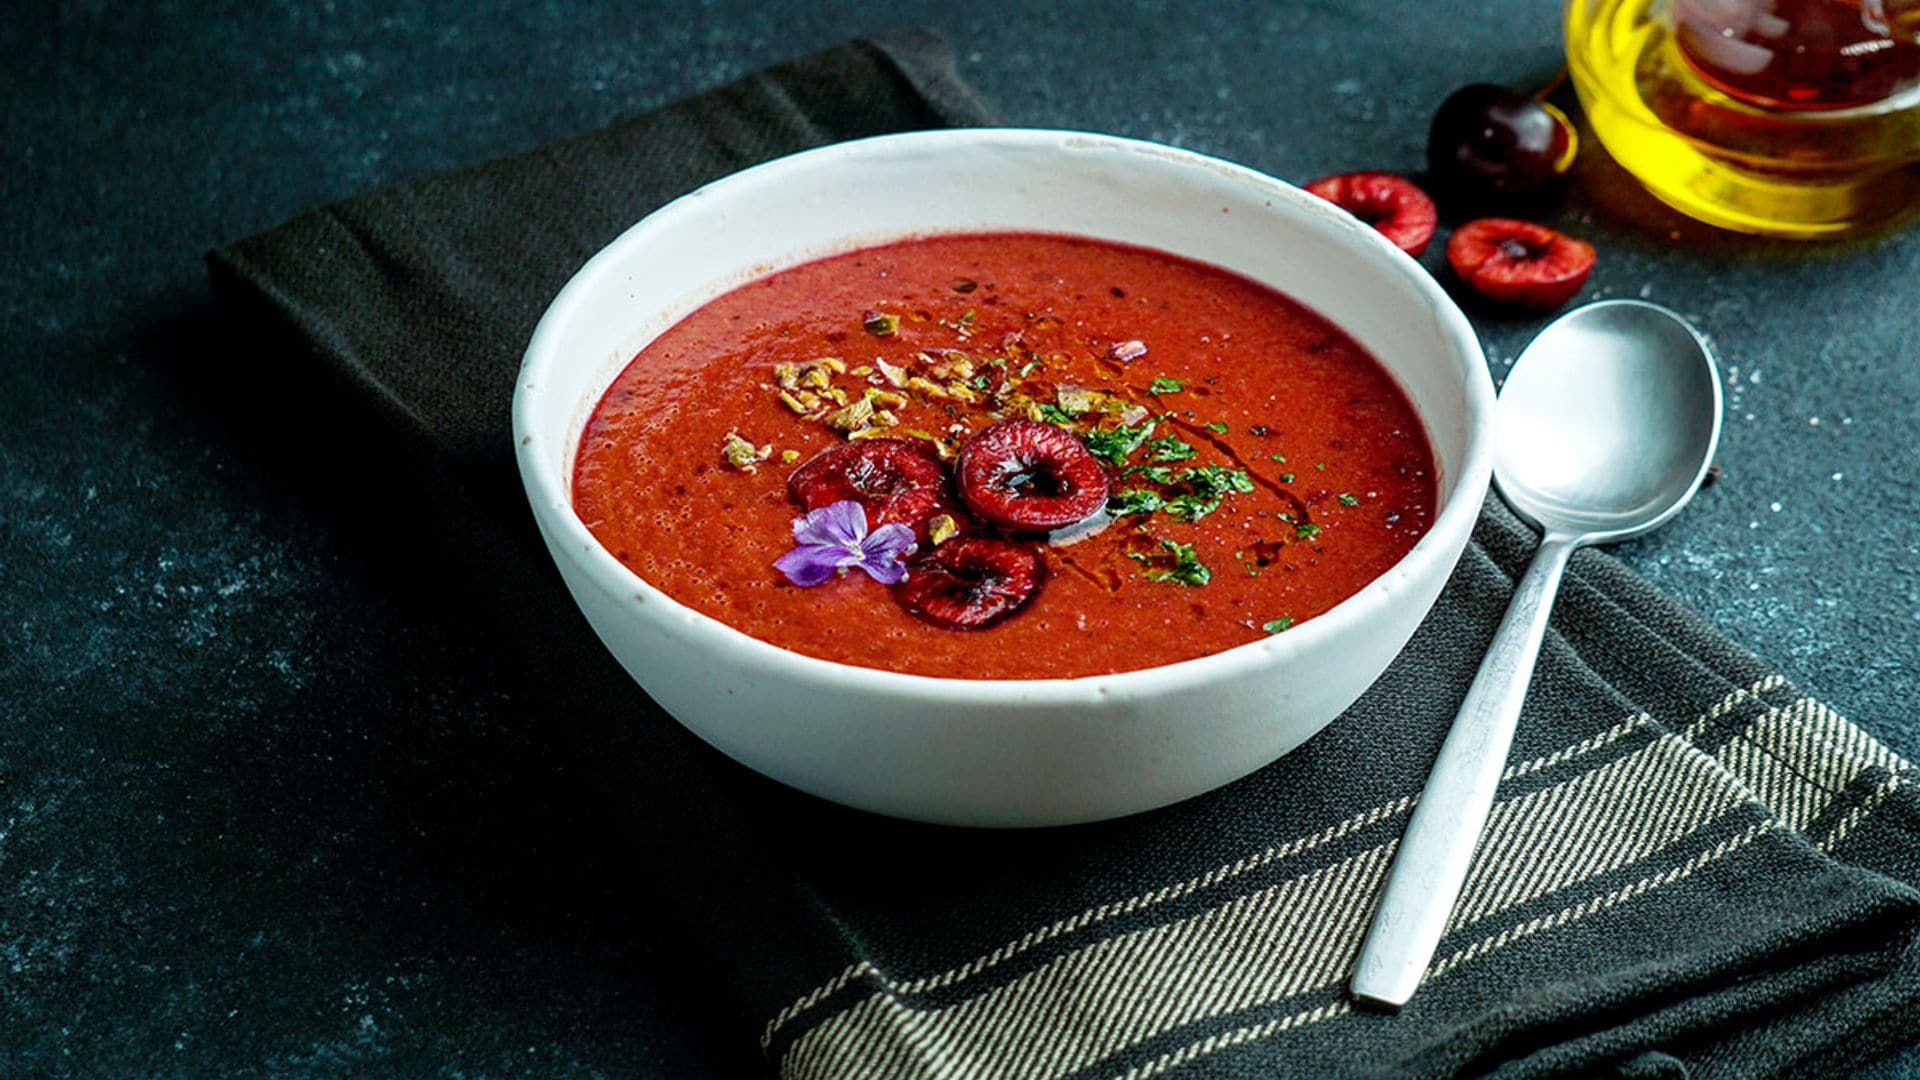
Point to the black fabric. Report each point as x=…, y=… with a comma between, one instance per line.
x=400, y=317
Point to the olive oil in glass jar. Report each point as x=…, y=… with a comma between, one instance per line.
x=1779, y=117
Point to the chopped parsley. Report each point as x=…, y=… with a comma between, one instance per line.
x=1115, y=445
x=1054, y=414
x=1026, y=369
x=1187, y=569
x=1281, y=458
x=1206, y=486
x=979, y=382
x=1306, y=530
x=1286, y=478
x=1169, y=448
x=1277, y=625
x=1218, y=427
x=1320, y=465
x=1347, y=498
x=1134, y=501
x=1163, y=385
x=1158, y=474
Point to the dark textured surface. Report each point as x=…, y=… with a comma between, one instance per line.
x=229, y=837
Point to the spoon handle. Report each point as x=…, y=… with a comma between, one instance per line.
x=1438, y=847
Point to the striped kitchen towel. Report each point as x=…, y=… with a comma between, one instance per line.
x=1692, y=867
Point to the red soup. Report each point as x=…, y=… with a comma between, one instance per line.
x=1007, y=456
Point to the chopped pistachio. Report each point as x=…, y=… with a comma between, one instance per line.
x=942, y=528
x=863, y=370
x=817, y=378
x=833, y=364
x=856, y=414
x=956, y=366
x=880, y=323
x=961, y=391
x=794, y=403
x=927, y=387
x=883, y=418
x=742, y=454
x=895, y=376
x=838, y=395
x=886, y=399
x=789, y=456
x=1075, y=400
x=787, y=375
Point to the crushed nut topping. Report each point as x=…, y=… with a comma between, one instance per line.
x=742, y=454
x=1076, y=400
x=856, y=414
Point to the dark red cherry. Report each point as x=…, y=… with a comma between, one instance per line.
x=1488, y=140
x=1519, y=262
x=971, y=583
x=895, y=480
x=1030, y=476
x=1395, y=207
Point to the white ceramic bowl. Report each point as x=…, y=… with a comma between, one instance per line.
x=986, y=752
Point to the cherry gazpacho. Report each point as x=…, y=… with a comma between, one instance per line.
x=1005, y=456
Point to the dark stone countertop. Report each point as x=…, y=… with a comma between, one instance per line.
x=266, y=807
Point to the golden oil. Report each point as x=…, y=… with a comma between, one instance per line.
x=1732, y=156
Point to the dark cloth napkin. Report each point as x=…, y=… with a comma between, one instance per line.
x=1692, y=867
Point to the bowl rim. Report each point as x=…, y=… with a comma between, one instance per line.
x=1463, y=493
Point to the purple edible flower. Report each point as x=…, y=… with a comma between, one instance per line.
x=834, y=538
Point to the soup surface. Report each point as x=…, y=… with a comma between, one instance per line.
x=1258, y=465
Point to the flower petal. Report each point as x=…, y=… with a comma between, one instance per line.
x=810, y=564
x=843, y=523
x=883, y=551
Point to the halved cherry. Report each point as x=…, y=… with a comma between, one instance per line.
x=971, y=583
x=1022, y=474
x=1519, y=262
x=1391, y=204
x=895, y=480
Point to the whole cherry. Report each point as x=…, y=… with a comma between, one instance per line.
x=1488, y=140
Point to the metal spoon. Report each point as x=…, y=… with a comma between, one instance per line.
x=1605, y=429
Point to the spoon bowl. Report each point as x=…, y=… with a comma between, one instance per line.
x=1604, y=430
x=1602, y=426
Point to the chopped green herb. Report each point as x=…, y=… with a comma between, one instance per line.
x=1347, y=498
x=1277, y=625
x=1134, y=501
x=1163, y=385
x=880, y=324
x=1306, y=531
x=1187, y=568
x=1206, y=486
x=1218, y=478
x=1169, y=448
x=1286, y=478
x=1026, y=369
x=979, y=382
x=1158, y=474
x=1054, y=414
x=1217, y=426
x=1281, y=458
x=998, y=361
x=1113, y=446
x=1321, y=465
